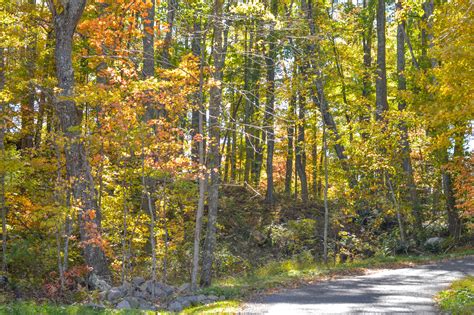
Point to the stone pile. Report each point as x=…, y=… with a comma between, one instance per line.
x=138, y=294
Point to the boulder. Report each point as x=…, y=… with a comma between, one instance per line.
x=115, y=294
x=133, y=301
x=123, y=305
x=164, y=287
x=212, y=298
x=434, y=244
x=138, y=281
x=433, y=241
x=3, y=281
x=185, y=287
x=175, y=307
x=97, y=283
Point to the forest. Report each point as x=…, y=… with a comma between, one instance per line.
x=172, y=144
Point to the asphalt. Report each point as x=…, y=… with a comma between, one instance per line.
x=401, y=291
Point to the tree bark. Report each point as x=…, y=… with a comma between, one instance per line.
x=405, y=144
x=300, y=149
x=202, y=175
x=289, y=149
x=70, y=117
x=3, y=207
x=381, y=104
x=270, y=106
x=218, y=53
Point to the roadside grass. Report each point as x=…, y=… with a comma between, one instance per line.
x=292, y=273
x=459, y=298
x=34, y=308
x=236, y=289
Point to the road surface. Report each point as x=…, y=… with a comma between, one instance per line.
x=407, y=290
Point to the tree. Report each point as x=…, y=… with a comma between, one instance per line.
x=66, y=17
x=381, y=79
x=215, y=103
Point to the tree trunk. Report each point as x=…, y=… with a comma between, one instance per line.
x=300, y=149
x=215, y=104
x=289, y=150
x=202, y=175
x=270, y=105
x=317, y=91
x=70, y=117
x=326, y=206
x=405, y=144
x=3, y=207
x=381, y=104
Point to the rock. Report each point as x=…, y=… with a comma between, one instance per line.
x=164, y=287
x=212, y=298
x=97, y=283
x=175, y=307
x=138, y=281
x=433, y=241
x=103, y=295
x=115, y=294
x=221, y=298
x=133, y=301
x=123, y=305
x=185, y=287
x=434, y=244
x=201, y=298
x=3, y=281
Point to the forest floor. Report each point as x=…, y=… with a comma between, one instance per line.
x=271, y=280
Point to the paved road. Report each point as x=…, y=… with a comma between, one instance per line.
x=407, y=290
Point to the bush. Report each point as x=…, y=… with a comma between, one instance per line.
x=459, y=298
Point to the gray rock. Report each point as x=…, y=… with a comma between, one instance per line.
x=201, y=298
x=434, y=241
x=103, y=295
x=123, y=305
x=133, y=301
x=98, y=283
x=138, y=281
x=164, y=287
x=115, y=294
x=185, y=287
x=212, y=298
x=221, y=298
x=175, y=307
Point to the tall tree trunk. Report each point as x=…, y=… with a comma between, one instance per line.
x=196, y=49
x=28, y=105
x=326, y=206
x=249, y=106
x=70, y=117
x=406, y=160
x=289, y=149
x=203, y=174
x=3, y=207
x=270, y=105
x=300, y=149
x=381, y=104
x=317, y=91
x=215, y=103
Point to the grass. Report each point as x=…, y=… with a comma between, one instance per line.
x=33, y=308
x=266, y=279
x=459, y=298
